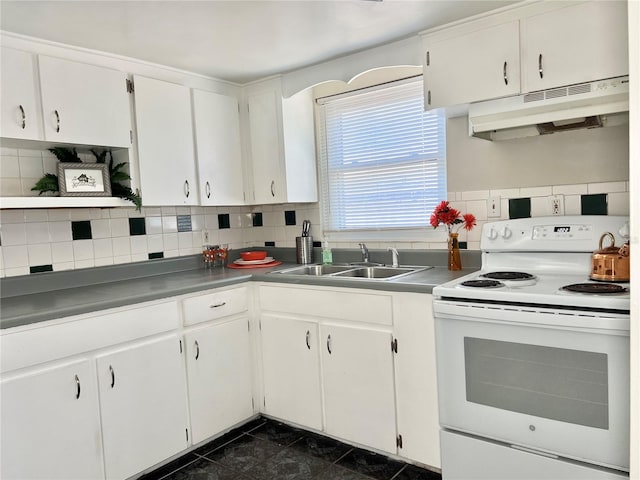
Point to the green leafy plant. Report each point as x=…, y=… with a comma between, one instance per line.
x=117, y=175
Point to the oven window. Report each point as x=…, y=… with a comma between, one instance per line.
x=556, y=383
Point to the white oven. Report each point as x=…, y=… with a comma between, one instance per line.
x=533, y=357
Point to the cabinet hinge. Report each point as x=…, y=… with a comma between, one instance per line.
x=180, y=341
x=131, y=136
x=186, y=431
x=248, y=325
x=394, y=345
x=428, y=58
x=253, y=404
x=130, y=88
x=264, y=402
x=399, y=441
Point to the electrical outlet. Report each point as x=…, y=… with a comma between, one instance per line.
x=493, y=207
x=556, y=202
x=205, y=237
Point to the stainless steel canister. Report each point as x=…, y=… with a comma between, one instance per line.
x=304, y=250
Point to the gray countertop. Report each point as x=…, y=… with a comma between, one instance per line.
x=54, y=295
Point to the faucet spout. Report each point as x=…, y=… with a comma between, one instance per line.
x=365, y=252
x=394, y=256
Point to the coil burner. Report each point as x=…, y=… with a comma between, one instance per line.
x=482, y=284
x=602, y=288
x=508, y=276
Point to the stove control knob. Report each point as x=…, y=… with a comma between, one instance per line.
x=492, y=234
x=506, y=233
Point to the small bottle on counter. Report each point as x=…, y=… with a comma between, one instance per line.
x=327, y=255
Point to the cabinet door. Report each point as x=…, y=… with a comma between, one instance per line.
x=219, y=377
x=415, y=369
x=218, y=148
x=357, y=366
x=266, y=148
x=143, y=406
x=575, y=44
x=51, y=424
x=21, y=116
x=291, y=370
x=84, y=104
x=165, y=143
x=476, y=66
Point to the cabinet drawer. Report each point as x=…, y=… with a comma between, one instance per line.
x=344, y=304
x=215, y=305
x=75, y=335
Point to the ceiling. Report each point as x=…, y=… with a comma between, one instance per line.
x=234, y=40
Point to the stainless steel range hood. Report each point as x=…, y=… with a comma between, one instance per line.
x=587, y=105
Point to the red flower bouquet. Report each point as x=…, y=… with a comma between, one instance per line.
x=444, y=214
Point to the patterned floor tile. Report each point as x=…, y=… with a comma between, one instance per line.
x=371, y=464
x=322, y=447
x=335, y=472
x=204, y=469
x=245, y=453
x=278, y=432
x=290, y=464
x=170, y=467
x=411, y=472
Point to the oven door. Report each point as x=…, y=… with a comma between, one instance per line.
x=555, y=381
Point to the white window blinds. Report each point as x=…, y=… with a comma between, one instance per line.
x=382, y=159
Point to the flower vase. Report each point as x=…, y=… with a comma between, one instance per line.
x=454, y=262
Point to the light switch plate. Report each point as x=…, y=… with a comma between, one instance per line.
x=493, y=207
x=556, y=203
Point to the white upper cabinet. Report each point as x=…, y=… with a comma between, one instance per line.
x=166, y=155
x=218, y=148
x=281, y=145
x=579, y=43
x=474, y=66
x=84, y=104
x=21, y=116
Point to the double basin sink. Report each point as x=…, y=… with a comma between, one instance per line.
x=355, y=271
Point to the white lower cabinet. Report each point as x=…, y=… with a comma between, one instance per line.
x=291, y=370
x=50, y=424
x=357, y=376
x=219, y=375
x=143, y=405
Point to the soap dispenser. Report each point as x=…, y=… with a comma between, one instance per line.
x=327, y=256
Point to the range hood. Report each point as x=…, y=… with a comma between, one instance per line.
x=586, y=105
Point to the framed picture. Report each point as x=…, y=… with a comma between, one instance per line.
x=84, y=180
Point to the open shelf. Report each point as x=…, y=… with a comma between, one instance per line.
x=63, y=202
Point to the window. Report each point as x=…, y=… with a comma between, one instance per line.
x=382, y=161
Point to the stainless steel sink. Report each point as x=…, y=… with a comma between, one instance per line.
x=316, y=270
x=376, y=272
x=351, y=271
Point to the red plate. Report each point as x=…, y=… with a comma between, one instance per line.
x=262, y=265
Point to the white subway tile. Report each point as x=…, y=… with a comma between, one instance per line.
x=185, y=240
x=37, y=232
x=606, y=187
x=39, y=254
x=540, y=206
x=60, y=231
x=26, y=184
x=28, y=152
x=535, y=192
x=102, y=247
x=15, y=256
x=11, y=216
x=119, y=212
x=101, y=228
x=170, y=241
x=62, y=252
x=119, y=227
x=152, y=211
x=182, y=210
x=8, y=151
x=153, y=225
x=155, y=243
x=11, y=187
x=618, y=203
x=139, y=257
x=197, y=222
x=9, y=166
x=572, y=205
x=82, y=250
x=168, y=210
x=475, y=195
x=88, y=263
x=121, y=259
x=62, y=266
x=577, y=189
x=79, y=214
x=31, y=167
x=171, y=253
x=13, y=234
x=59, y=214
x=50, y=165
x=16, y=272
x=138, y=245
x=36, y=215
x=101, y=262
x=478, y=208
x=170, y=224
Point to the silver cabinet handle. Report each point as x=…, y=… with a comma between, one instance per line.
x=57, y=121
x=197, y=349
x=77, y=387
x=113, y=376
x=24, y=117
x=540, y=69
x=273, y=184
x=428, y=97
x=218, y=305
x=504, y=74
x=329, y=344
x=207, y=189
x=308, y=340
x=186, y=188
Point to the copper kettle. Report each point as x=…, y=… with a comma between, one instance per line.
x=611, y=263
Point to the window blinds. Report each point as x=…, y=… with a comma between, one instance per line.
x=382, y=159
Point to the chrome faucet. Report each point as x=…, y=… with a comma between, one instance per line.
x=365, y=252
x=394, y=256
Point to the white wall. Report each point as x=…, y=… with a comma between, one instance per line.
x=582, y=156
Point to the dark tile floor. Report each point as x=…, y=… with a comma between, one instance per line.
x=268, y=450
